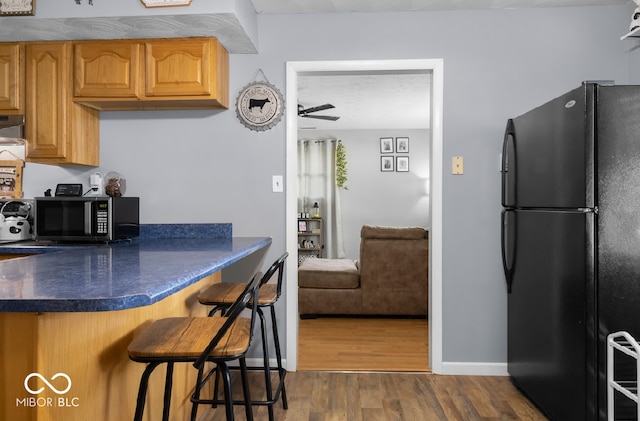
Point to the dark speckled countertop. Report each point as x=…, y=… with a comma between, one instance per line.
x=127, y=274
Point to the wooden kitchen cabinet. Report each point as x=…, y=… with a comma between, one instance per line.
x=106, y=69
x=11, y=78
x=153, y=74
x=58, y=131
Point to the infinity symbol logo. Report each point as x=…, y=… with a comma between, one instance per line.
x=52, y=387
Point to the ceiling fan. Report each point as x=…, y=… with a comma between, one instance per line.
x=305, y=112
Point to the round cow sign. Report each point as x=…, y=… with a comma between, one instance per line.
x=259, y=106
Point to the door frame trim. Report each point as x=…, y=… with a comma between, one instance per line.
x=436, y=66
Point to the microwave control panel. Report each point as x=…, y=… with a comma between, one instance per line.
x=102, y=218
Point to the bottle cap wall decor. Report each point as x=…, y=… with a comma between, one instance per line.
x=259, y=105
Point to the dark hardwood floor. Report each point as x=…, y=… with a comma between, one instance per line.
x=352, y=370
x=339, y=396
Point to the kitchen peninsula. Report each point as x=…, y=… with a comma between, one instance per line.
x=68, y=313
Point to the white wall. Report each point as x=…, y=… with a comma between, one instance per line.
x=373, y=197
x=632, y=44
x=207, y=167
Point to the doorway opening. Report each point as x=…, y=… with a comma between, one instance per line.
x=435, y=67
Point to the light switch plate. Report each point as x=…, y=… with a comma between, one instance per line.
x=276, y=182
x=457, y=165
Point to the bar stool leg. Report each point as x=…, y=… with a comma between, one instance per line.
x=228, y=397
x=142, y=391
x=278, y=355
x=196, y=394
x=168, y=383
x=216, y=382
x=245, y=389
x=267, y=368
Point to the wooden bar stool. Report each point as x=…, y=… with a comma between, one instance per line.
x=198, y=340
x=220, y=296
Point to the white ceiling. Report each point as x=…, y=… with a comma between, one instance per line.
x=335, y=6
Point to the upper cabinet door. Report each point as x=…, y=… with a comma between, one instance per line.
x=58, y=131
x=151, y=74
x=106, y=69
x=178, y=68
x=46, y=117
x=11, y=79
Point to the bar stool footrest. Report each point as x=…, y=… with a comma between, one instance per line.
x=277, y=392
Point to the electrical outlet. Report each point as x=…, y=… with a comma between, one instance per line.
x=276, y=182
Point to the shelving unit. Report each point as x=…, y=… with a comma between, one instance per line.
x=625, y=343
x=310, y=237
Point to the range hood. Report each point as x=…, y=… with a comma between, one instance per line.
x=12, y=126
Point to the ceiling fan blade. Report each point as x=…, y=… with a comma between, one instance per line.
x=321, y=117
x=315, y=109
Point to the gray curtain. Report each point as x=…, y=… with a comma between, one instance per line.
x=317, y=183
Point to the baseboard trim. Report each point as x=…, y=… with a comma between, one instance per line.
x=259, y=362
x=449, y=368
x=474, y=369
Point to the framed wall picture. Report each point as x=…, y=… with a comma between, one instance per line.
x=402, y=145
x=17, y=7
x=402, y=164
x=386, y=163
x=386, y=145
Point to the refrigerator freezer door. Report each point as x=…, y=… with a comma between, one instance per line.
x=547, y=326
x=548, y=156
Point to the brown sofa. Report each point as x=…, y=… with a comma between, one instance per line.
x=391, y=277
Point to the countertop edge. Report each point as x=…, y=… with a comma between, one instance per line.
x=43, y=305
x=215, y=267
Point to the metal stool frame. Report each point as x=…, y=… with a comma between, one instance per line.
x=249, y=294
x=272, y=397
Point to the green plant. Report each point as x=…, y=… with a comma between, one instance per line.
x=341, y=166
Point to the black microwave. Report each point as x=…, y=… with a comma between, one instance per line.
x=86, y=219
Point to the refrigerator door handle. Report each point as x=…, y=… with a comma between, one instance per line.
x=508, y=171
x=508, y=255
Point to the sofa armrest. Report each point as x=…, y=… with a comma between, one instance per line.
x=394, y=270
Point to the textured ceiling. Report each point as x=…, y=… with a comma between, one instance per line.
x=367, y=100
x=334, y=6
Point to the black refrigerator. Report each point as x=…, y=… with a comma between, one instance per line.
x=571, y=246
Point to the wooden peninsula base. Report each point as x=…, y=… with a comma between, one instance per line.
x=91, y=349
